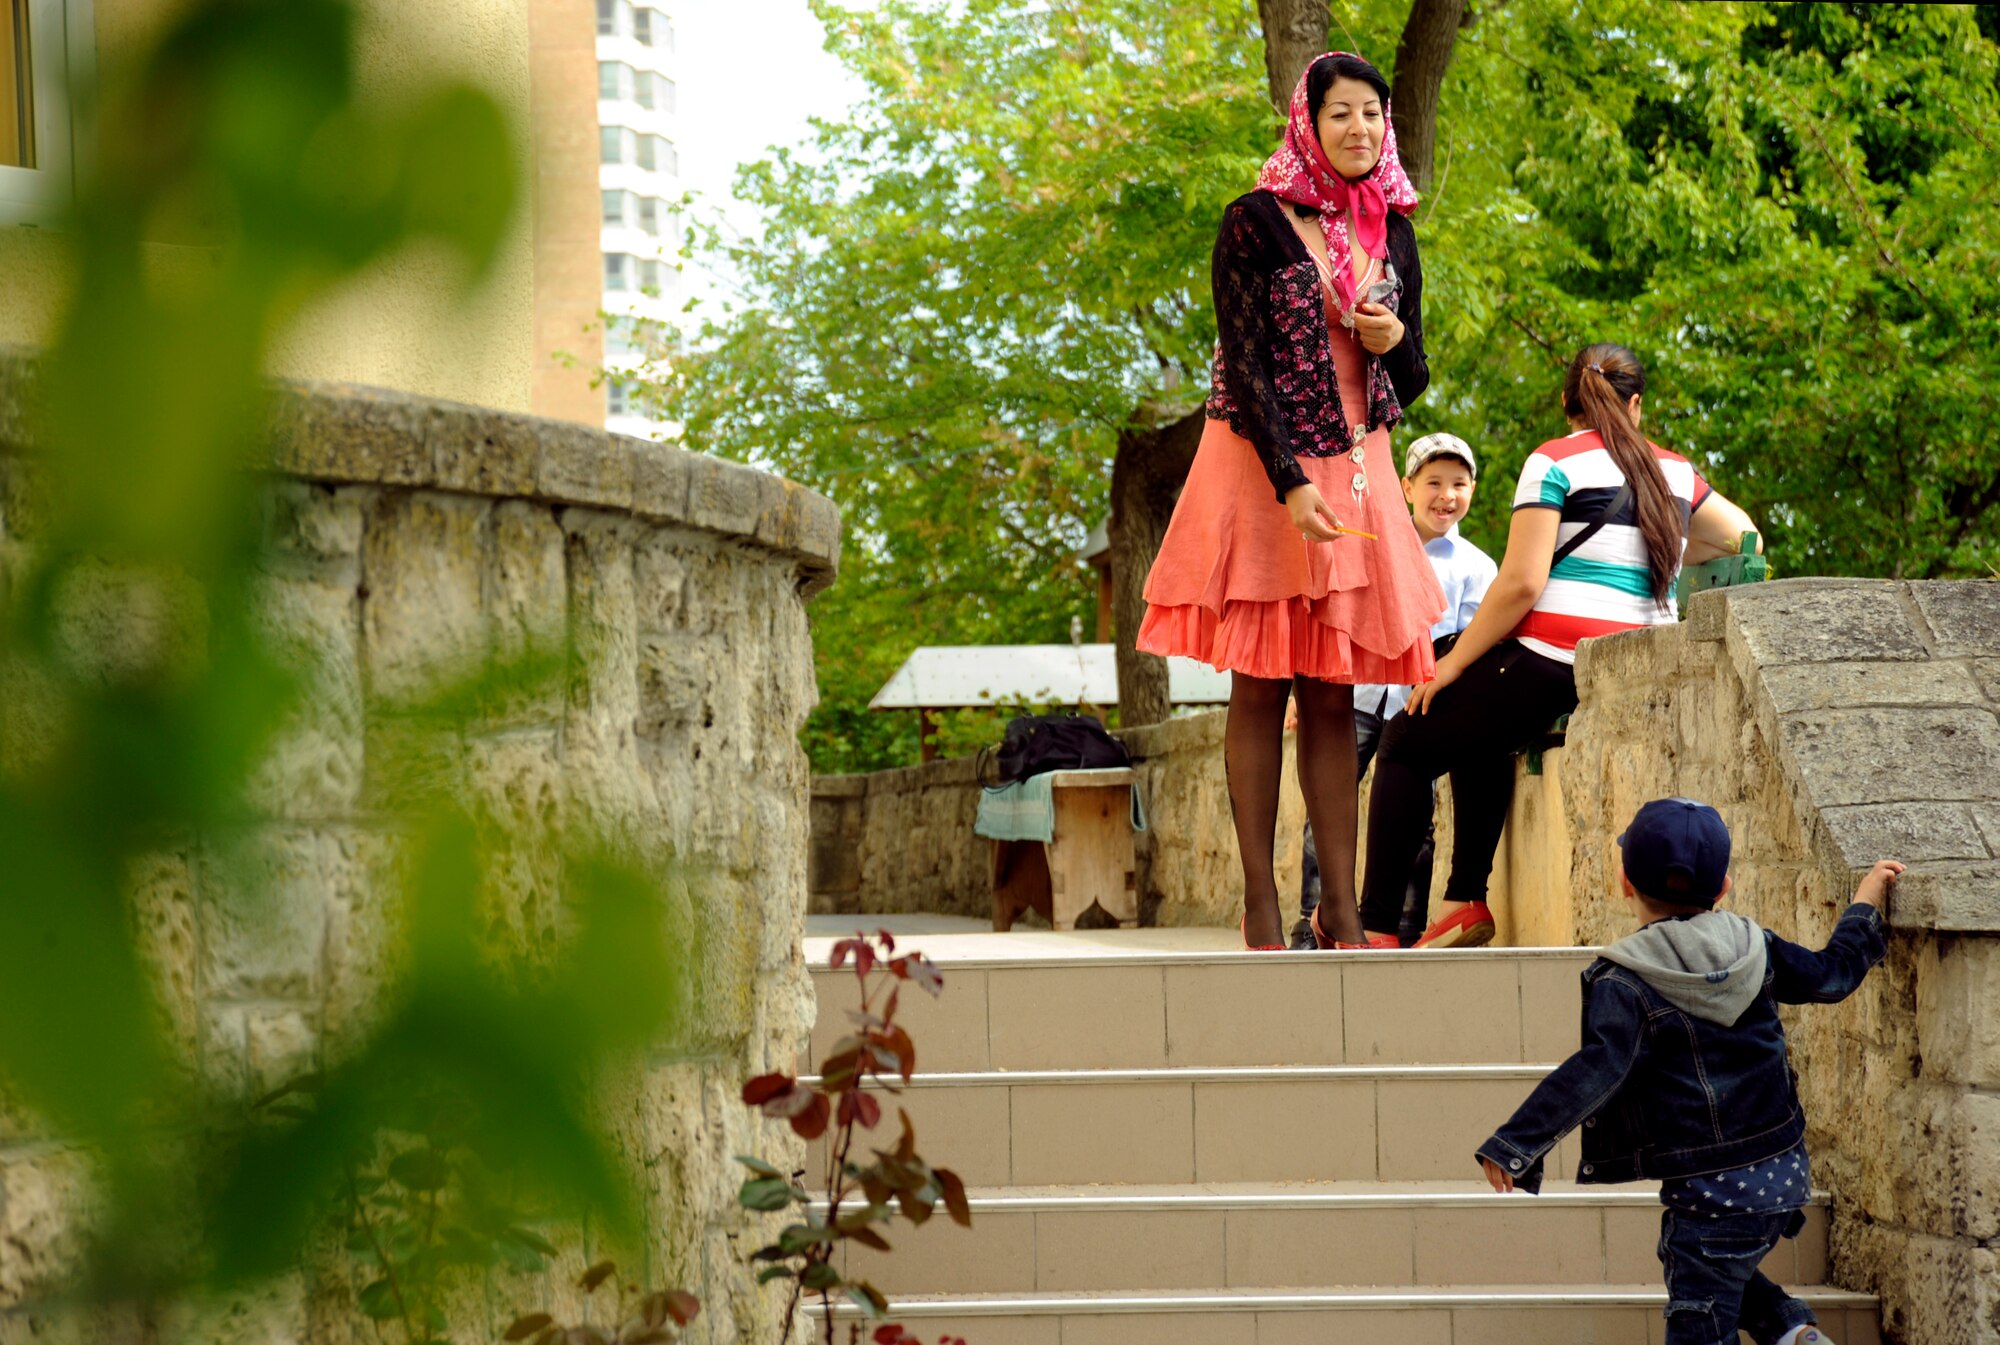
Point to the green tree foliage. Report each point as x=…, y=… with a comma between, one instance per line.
x=1787, y=211
x=966, y=288
x=961, y=295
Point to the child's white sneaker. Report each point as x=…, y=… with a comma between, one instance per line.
x=1805, y=1335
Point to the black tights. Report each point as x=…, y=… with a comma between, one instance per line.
x=1498, y=706
x=1253, y=754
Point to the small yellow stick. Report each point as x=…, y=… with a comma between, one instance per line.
x=1355, y=532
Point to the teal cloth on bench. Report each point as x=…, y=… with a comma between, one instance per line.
x=1026, y=809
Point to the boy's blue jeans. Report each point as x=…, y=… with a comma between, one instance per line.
x=1713, y=1284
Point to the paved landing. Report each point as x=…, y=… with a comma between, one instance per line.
x=956, y=938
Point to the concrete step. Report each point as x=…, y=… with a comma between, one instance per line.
x=1173, y=1126
x=1105, y=1005
x=1465, y=1315
x=1262, y=1236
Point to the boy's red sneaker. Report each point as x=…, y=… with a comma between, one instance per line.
x=1471, y=926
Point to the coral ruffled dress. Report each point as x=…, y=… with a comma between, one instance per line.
x=1237, y=587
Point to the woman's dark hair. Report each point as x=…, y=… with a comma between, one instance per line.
x=1600, y=385
x=1327, y=69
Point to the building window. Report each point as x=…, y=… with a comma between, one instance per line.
x=617, y=271
x=669, y=158
x=649, y=276
x=663, y=31
x=611, y=144
x=617, y=398
x=665, y=92
x=642, y=26
x=17, y=87
x=647, y=159
x=614, y=209
x=643, y=82
x=608, y=79
x=649, y=215
x=607, y=18
x=41, y=59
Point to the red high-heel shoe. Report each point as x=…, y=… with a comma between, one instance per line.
x=1243, y=929
x=1374, y=940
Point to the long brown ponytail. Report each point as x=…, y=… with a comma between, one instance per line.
x=1600, y=385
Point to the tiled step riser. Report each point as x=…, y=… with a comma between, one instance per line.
x=1061, y=1251
x=1160, y=1132
x=1581, y=1324
x=1303, y=1009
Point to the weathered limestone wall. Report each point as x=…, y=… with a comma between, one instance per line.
x=1835, y=722
x=407, y=535
x=895, y=841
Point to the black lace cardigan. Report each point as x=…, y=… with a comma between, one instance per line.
x=1274, y=379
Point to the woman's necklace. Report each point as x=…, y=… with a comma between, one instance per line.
x=1358, y=453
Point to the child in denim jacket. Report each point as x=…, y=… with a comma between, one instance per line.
x=1682, y=1076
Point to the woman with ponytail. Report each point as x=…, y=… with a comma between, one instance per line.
x=1602, y=519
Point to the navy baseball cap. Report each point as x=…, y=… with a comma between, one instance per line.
x=1677, y=850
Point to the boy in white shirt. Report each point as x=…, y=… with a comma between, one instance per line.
x=1439, y=475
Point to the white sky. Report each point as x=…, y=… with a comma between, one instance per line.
x=751, y=74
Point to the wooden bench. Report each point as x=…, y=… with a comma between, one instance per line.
x=1083, y=879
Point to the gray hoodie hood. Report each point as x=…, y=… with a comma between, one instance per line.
x=1710, y=965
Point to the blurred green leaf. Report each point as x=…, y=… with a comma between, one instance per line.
x=378, y=1300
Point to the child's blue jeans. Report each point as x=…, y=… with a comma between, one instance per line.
x=1713, y=1284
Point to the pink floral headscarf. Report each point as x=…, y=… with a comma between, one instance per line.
x=1298, y=172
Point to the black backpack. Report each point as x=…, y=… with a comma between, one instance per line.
x=1034, y=744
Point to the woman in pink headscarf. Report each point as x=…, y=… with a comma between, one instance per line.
x=1291, y=561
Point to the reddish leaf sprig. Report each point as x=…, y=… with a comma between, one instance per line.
x=877, y=1057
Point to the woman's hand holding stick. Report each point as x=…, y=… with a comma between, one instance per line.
x=1310, y=514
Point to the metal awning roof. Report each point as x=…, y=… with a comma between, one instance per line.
x=942, y=677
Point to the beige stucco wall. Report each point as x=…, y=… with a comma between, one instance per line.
x=406, y=324
x=569, y=212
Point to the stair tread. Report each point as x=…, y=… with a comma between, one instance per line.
x=1266, y=1300
x=1308, y=1195
x=1227, y=1074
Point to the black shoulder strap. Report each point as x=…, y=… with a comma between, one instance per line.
x=1590, y=529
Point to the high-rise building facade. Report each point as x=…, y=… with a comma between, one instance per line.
x=640, y=183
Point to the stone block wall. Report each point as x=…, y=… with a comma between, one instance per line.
x=1835, y=722
x=898, y=841
x=891, y=842
x=407, y=536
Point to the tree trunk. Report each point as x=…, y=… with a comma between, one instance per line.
x=1146, y=475
x=1422, y=57
x=1294, y=33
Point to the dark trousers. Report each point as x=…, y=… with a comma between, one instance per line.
x=1713, y=1284
x=1474, y=728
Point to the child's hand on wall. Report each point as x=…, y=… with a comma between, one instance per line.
x=1497, y=1175
x=1874, y=889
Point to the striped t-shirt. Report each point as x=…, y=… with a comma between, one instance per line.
x=1603, y=586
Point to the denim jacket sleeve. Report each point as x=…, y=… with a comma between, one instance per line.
x=1613, y=1036
x=1801, y=976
